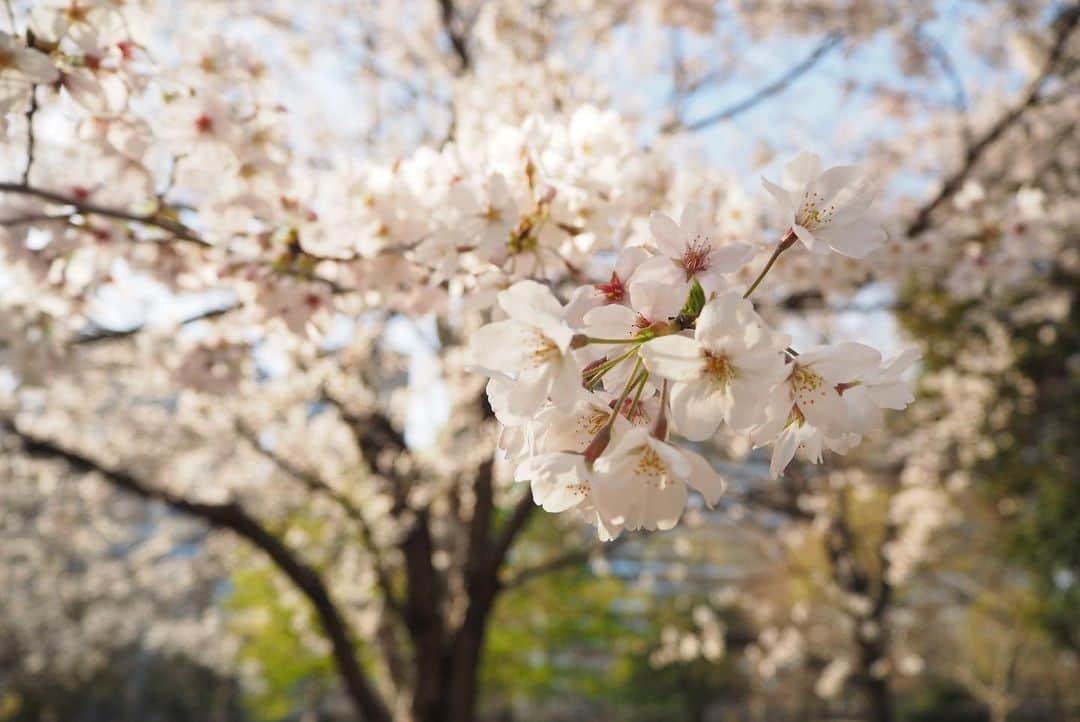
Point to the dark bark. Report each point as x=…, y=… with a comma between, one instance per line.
x=871, y=632
x=879, y=698
x=457, y=36
x=483, y=558
x=424, y=621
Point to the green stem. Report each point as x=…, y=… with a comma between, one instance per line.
x=598, y=373
x=660, y=428
x=592, y=339
x=637, y=394
x=630, y=383
x=786, y=242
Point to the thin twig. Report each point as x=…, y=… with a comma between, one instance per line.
x=320, y=486
x=174, y=227
x=831, y=41
x=30, y=134
x=457, y=38
x=562, y=561
x=1066, y=24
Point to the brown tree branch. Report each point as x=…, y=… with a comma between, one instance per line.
x=93, y=333
x=30, y=140
x=381, y=445
x=831, y=41
x=457, y=37
x=156, y=220
x=231, y=516
x=318, y=485
x=1066, y=23
x=510, y=530
x=561, y=561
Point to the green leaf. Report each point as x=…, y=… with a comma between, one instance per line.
x=695, y=301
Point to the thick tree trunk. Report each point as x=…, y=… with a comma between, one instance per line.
x=463, y=668
x=879, y=697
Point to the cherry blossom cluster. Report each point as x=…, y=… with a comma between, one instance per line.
x=589, y=392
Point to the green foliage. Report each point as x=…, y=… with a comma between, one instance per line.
x=695, y=301
x=561, y=634
x=1037, y=448
x=1038, y=460
x=693, y=691
x=576, y=640
x=942, y=700
x=134, y=686
x=557, y=636
x=294, y=676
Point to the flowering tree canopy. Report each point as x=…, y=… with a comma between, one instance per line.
x=329, y=278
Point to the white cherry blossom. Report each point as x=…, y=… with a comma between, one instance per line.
x=559, y=480
x=723, y=372
x=880, y=389
x=642, y=481
x=688, y=251
x=532, y=347
x=614, y=290
x=28, y=63
x=808, y=440
x=807, y=409
x=828, y=209
x=562, y=481
x=20, y=67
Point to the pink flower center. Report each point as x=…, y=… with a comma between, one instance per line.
x=614, y=290
x=204, y=124
x=695, y=258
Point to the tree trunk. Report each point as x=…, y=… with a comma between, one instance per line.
x=879, y=696
x=463, y=668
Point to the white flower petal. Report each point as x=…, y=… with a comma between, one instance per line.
x=673, y=357
x=843, y=362
x=500, y=347
x=692, y=222
x=719, y=320
x=801, y=172
x=809, y=240
x=36, y=66
x=566, y=386
x=696, y=410
x=530, y=302
x=784, y=451
x=658, y=288
x=559, y=481
x=730, y=257
x=787, y=203
x=704, y=478
x=667, y=235
x=855, y=240
x=664, y=506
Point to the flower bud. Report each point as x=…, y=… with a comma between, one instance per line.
x=598, y=444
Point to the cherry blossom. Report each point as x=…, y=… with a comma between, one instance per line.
x=688, y=252
x=828, y=209
x=20, y=67
x=532, y=347
x=723, y=372
x=492, y=204
x=642, y=481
